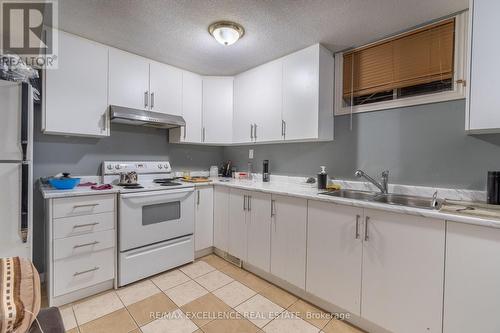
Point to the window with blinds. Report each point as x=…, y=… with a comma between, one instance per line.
x=412, y=64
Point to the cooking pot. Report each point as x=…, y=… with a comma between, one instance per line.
x=128, y=177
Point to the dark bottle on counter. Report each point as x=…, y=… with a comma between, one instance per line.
x=322, y=179
x=493, y=189
x=265, y=171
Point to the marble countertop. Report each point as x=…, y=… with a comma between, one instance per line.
x=296, y=187
x=310, y=192
x=49, y=192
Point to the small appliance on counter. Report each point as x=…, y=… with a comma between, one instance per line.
x=493, y=188
x=322, y=179
x=265, y=171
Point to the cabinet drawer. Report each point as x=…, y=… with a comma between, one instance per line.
x=82, y=271
x=80, y=225
x=84, y=244
x=77, y=206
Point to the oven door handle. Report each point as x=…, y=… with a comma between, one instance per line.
x=155, y=193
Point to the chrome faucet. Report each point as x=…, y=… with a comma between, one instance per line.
x=382, y=186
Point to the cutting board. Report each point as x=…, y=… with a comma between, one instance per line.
x=197, y=180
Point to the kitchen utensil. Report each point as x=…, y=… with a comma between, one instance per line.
x=128, y=178
x=322, y=178
x=64, y=183
x=493, y=188
x=265, y=171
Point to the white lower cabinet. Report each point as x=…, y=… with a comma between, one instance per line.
x=221, y=217
x=288, y=239
x=472, y=292
x=334, y=254
x=259, y=230
x=204, y=218
x=403, y=272
x=238, y=207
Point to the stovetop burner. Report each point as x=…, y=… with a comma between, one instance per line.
x=131, y=186
x=170, y=183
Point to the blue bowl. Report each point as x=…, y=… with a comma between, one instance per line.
x=64, y=183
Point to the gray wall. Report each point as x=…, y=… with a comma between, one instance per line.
x=421, y=145
x=83, y=156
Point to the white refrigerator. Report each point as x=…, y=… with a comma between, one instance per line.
x=16, y=170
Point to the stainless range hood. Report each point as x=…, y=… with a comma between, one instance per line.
x=123, y=115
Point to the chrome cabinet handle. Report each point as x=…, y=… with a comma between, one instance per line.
x=251, y=131
x=244, y=202
x=203, y=134
x=255, y=132
x=273, y=211
x=152, y=100
x=366, y=228
x=357, y=226
x=249, y=202
x=85, y=225
x=198, y=197
x=283, y=128
x=86, y=244
x=87, y=271
x=185, y=132
x=87, y=205
x=146, y=96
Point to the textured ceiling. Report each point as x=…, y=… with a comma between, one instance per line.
x=175, y=32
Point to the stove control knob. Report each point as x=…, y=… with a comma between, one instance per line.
x=160, y=166
x=110, y=167
x=118, y=166
x=166, y=166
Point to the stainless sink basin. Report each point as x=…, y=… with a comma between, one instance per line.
x=352, y=194
x=408, y=200
x=390, y=199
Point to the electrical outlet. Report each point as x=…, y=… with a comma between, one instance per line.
x=250, y=154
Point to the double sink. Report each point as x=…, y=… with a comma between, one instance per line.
x=388, y=198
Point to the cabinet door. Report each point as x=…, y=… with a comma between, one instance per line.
x=301, y=94
x=165, y=88
x=191, y=107
x=204, y=215
x=217, y=109
x=221, y=217
x=237, y=223
x=268, y=101
x=288, y=239
x=76, y=98
x=259, y=231
x=244, y=100
x=484, y=107
x=403, y=272
x=128, y=80
x=472, y=291
x=334, y=254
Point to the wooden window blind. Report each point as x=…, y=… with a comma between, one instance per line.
x=421, y=56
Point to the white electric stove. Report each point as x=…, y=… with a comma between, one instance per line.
x=155, y=219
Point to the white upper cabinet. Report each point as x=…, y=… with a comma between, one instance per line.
x=484, y=101
x=472, y=278
x=128, y=80
x=403, y=272
x=308, y=94
x=217, y=110
x=334, y=254
x=191, y=110
x=258, y=103
x=165, y=88
x=76, y=93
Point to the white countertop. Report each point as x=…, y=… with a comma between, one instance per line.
x=295, y=189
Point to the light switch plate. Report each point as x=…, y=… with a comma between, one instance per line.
x=250, y=153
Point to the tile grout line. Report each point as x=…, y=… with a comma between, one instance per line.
x=126, y=309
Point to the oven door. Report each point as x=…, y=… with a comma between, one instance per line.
x=151, y=217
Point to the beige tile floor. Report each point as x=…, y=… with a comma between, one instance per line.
x=209, y=295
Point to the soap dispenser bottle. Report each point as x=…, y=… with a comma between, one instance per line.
x=322, y=178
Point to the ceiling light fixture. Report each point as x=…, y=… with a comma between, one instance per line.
x=226, y=32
